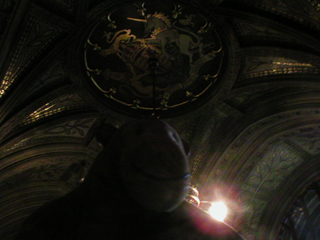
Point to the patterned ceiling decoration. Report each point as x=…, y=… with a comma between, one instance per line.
x=78, y=131
x=35, y=38
x=271, y=170
x=296, y=11
x=56, y=106
x=238, y=80
x=210, y=124
x=299, y=189
x=62, y=104
x=189, y=48
x=309, y=141
x=76, y=128
x=302, y=220
x=275, y=129
x=269, y=66
x=251, y=30
x=54, y=74
x=278, y=61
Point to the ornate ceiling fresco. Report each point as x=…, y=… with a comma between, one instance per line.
x=238, y=79
x=190, y=48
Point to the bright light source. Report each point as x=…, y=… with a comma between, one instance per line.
x=218, y=210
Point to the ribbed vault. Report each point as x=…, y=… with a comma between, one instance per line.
x=249, y=108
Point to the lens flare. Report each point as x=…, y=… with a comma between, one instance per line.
x=218, y=211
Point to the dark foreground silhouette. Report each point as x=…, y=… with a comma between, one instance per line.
x=135, y=189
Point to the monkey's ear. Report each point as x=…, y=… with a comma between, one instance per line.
x=104, y=133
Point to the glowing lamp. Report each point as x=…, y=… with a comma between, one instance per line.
x=218, y=211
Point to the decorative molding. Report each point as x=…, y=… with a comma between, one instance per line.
x=36, y=36
x=206, y=131
x=47, y=106
x=287, y=9
x=187, y=92
x=262, y=182
x=280, y=203
x=245, y=98
x=234, y=163
x=55, y=106
x=56, y=71
x=130, y=79
x=265, y=62
x=76, y=128
x=308, y=141
x=247, y=29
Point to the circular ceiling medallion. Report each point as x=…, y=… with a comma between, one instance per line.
x=143, y=57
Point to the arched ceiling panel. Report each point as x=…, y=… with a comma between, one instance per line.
x=247, y=138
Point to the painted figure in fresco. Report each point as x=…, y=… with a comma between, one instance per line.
x=163, y=32
x=120, y=41
x=135, y=189
x=186, y=46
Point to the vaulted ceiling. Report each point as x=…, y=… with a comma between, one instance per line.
x=245, y=97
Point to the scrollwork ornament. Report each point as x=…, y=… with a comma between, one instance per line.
x=118, y=50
